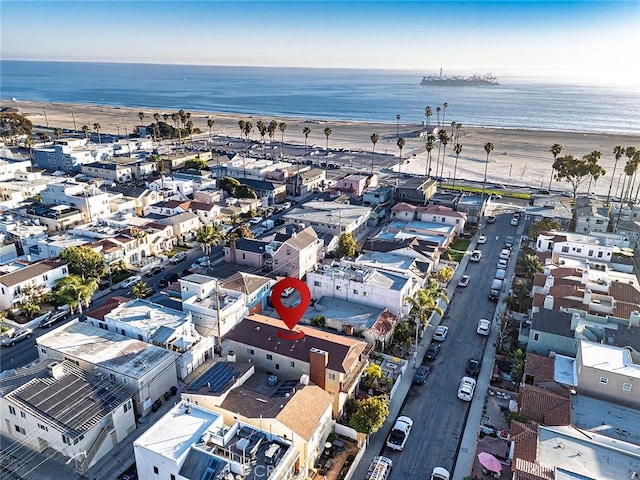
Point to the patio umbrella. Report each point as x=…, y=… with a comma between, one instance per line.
x=489, y=462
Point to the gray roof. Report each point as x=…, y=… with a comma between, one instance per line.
x=251, y=245
x=176, y=219
x=162, y=334
x=30, y=271
x=553, y=321
x=75, y=400
x=201, y=465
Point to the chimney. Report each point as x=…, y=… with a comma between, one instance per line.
x=575, y=318
x=587, y=297
x=634, y=318
x=548, y=283
x=548, y=302
x=56, y=370
x=585, y=276
x=318, y=360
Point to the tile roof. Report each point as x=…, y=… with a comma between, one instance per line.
x=442, y=210
x=99, y=312
x=526, y=470
x=245, y=282
x=404, y=207
x=31, y=271
x=543, y=406
x=305, y=410
x=303, y=239
x=201, y=206
x=525, y=441
x=343, y=352
x=539, y=367
x=384, y=324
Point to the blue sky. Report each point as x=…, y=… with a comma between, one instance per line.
x=591, y=40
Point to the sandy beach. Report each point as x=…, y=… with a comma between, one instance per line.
x=519, y=157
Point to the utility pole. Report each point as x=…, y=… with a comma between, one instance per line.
x=219, y=346
x=45, y=116
x=75, y=128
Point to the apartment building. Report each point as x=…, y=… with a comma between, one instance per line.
x=89, y=199
x=18, y=277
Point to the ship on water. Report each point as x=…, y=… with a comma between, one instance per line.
x=459, y=80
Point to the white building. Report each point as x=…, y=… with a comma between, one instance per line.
x=18, y=277
x=145, y=371
x=158, y=325
x=69, y=154
x=365, y=285
x=330, y=217
x=191, y=442
x=89, y=199
x=203, y=298
x=58, y=406
x=9, y=168
x=182, y=187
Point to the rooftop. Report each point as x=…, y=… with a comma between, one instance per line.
x=63, y=394
x=606, y=418
x=365, y=275
x=352, y=313
x=145, y=315
x=129, y=357
x=21, y=272
x=609, y=359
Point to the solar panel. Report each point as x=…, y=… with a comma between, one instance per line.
x=216, y=378
x=285, y=387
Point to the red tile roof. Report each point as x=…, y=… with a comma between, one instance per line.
x=99, y=312
x=442, y=210
x=384, y=324
x=539, y=367
x=525, y=470
x=525, y=441
x=544, y=406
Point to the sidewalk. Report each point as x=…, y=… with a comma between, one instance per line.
x=377, y=441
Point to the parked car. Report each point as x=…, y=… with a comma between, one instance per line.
x=168, y=279
x=476, y=255
x=508, y=242
x=473, y=367
x=491, y=219
x=464, y=281
x=154, y=271
x=287, y=292
x=466, y=389
x=505, y=254
x=420, y=377
x=128, y=282
x=482, y=239
x=17, y=336
x=178, y=257
x=514, y=221
x=432, y=351
x=441, y=333
x=440, y=473
x=400, y=433
x=484, y=327
x=502, y=264
x=53, y=318
x=500, y=273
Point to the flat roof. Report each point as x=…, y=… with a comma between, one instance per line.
x=349, y=312
x=606, y=418
x=146, y=315
x=609, y=359
x=96, y=346
x=565, y=370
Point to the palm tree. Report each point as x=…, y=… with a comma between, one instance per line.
x=207, y=236
x=182, y=116
x=457, y=148
x=327, y=132
x=30, y=143
x=282, y=126
x=458, y=127
x=57, y=132
x=306, y=131
x=374, y=139
x=401, y=143
x=156, y=126
x=488, y=147
x=139, y=289
x=75, y=291
x=96, y=127
x=444, y=140
x=29, y=309
x=189, y=127
x=241, y=127
x=398, y=126
x=593, y=159
x=210, y=123
x=618, y=151
x=248, y=128
x=530, y=265
x=428, y=113
x=85, y=129
x=444, y=110
x=438, y=116
x=141, y=116
x=431, y=139
x=43, y=137
x=629, y=169
x=271, y=130
x=424, y=303
x=556, y=149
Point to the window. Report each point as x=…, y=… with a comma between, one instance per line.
x=45, y=277
x=293, y=364
x=43, y=427
x=127, y=406
x=599, y=254
x=536, y=336
x=332, y=376
x=23, y=415
x=355, y=292
x=591, y=253
x=269, y=356
x=277, y=366
x=66, y=440
x=250, y=351
x=173, y=477
x=155, y=470
x=12, y=410
x=365, y=294
x=565, y=249
x=43, y=350
x=338, y=287
x=578, y=250
x=604, y=380
x=317, y=283
x=112, y=377
x=626, y=387
x=21, y=430
x=103, y=326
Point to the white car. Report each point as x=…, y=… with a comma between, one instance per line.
x=464, y=281
x=178, y=257
x=514, y=221
x=400, y=433
x=484, y=327
x=476, y=255
x=128, y=282
x=17, y=336
x=502, y=264
x=466, y=389
x=440, y=473
x=287, y=292
x=505, y=254
x=441, y=333
x=482, y=239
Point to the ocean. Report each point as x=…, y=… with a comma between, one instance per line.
x=325, y=94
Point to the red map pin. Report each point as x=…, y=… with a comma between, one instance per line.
x=290, y=315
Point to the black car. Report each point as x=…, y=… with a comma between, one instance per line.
x=491, y=219
x=433, y=351
x=168, y=279
x=420, y=377
x=154, y=271
x=473, y=367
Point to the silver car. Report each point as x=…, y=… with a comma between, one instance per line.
x=17, y=337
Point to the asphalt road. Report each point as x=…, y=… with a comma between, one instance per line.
x=439, y=415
